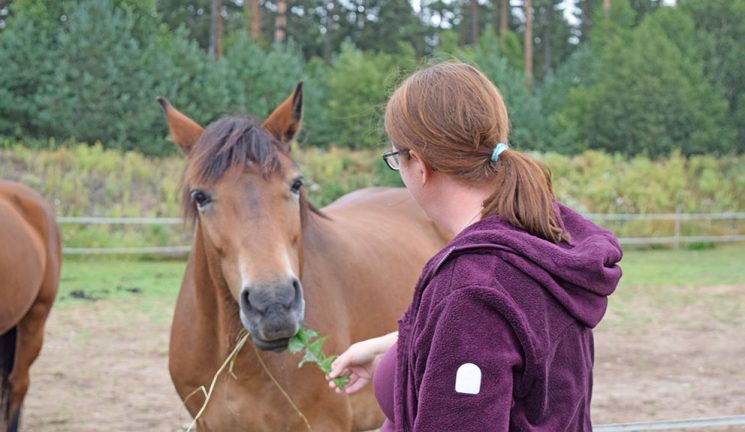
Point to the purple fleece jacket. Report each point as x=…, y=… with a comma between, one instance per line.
x=520, y=310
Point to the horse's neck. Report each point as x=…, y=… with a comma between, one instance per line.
x=217, y=317
x=323, y=245
x=330, y=246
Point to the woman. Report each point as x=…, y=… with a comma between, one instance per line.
x=498, y=335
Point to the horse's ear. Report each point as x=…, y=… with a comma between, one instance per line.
x=284, y=122
x=184, y=131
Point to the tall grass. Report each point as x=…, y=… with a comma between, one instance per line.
x=82, y=180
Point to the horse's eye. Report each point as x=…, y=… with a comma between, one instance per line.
x=200, y=198
x=296, y=185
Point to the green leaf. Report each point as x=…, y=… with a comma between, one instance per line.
x=316, y=347
x=309, y=334
x=295, y=345
x=341, y=381
x=325, y=364
x=313, y=353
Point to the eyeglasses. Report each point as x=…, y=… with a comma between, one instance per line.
x=391, y=158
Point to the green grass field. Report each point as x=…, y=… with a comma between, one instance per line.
x=721, y=266
x=655, y=280
x=92, y=280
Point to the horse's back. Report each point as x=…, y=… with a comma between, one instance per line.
x=28, y=232
x=378, y=203
x=383, y=238
x=386, y=214
x=363, y=195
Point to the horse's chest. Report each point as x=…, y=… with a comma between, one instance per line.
x=242, y=406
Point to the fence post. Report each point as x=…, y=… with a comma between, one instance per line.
x=677, y=226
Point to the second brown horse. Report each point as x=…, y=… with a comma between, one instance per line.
x=30, y=259
x=265, y=260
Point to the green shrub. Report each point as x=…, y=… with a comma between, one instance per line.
x=82, y=180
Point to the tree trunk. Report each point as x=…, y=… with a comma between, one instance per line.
x=504, y=13
x=280, y=22
x=329, y=24
x=474, y=22
x=462, y=25
x=216, y=29
x=547, y=48
x=253, y=18
x=606, y=8
x=528, y=43
x=586, y=15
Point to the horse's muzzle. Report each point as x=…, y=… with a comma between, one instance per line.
x=272, y=313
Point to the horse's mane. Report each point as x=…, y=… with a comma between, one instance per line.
x=227, y=142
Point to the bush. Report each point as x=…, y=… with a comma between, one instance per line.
x=527, y=121
x=647, y=94
x=81, y=180
x=358, y=88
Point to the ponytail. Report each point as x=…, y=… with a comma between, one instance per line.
x=524, y=197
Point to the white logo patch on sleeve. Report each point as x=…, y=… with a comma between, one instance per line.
x=468, y=379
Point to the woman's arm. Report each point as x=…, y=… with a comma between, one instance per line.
x=359, y=362
x=466, y=358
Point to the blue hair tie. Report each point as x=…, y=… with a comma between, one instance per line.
x=498, y=150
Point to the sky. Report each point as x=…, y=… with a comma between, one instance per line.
x=568, y=5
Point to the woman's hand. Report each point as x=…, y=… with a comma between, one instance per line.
x=359, y=361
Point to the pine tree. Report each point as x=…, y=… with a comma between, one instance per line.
x=719, y=34
x=645, y=94
x=26, y=67
x=101, y=80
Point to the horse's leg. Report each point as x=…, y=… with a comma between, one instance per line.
x=15, y=420
x=7, y=356
x=29, y=338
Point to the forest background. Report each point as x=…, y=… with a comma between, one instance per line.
x=638, y=106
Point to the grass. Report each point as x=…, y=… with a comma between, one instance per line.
x=720, y=266
x=90, y=280
x=656, y=284
x=135, y=290
x=685, y=287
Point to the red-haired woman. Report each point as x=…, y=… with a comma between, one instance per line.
x=498, y=335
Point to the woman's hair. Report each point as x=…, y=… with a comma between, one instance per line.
x=453, y=116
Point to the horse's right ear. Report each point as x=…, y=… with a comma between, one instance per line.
x=184, y=131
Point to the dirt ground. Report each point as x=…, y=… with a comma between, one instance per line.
x=104, y=367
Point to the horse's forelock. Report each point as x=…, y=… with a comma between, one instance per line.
x=228, y=142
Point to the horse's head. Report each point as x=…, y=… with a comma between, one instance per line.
x=245, y=193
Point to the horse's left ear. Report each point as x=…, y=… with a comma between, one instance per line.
x=284, y=122
x=184, y=131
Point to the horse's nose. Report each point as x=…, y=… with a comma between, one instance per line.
x=261, y=297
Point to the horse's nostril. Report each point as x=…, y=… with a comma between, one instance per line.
x=245, y=302
x=296, y=286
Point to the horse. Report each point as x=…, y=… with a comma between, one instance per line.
x=30, y=261
x=265, y=260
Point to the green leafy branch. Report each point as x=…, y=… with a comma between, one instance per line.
x=304, y=341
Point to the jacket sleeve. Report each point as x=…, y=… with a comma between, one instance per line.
x=465, y=360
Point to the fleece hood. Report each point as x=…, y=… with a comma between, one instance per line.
x=579, y=274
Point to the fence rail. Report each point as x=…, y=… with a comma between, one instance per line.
x=665, y=216
x=119, y=220
x=152, y=250
x=676, y=239
x=675, y=424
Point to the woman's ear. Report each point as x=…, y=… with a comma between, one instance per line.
x=420, y=167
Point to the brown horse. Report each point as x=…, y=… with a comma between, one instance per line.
x=265, y=260
x=30, y=259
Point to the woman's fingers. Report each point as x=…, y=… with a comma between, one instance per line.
x=355, y=383
x=353, y=386
x=338, y=367
x=337, y=370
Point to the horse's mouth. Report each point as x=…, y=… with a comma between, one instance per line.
x=277, y=345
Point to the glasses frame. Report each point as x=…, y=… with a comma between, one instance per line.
x=391, y=158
